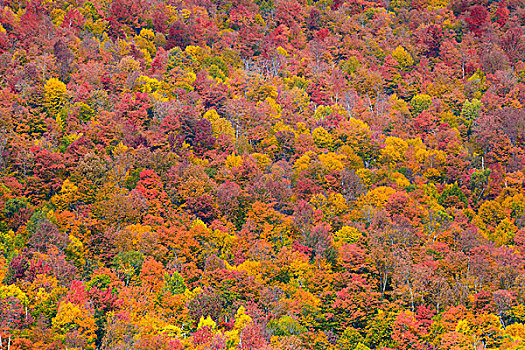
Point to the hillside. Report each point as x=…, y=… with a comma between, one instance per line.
x=262, y=174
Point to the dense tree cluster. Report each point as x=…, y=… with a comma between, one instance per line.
x=262, y=174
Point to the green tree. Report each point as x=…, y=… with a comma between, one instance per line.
x=469, y=113
x=419, y=103
x=350, y=339
x=175, y=283
x=129, y=264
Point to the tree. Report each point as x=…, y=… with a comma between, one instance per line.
x=151, y=275
x=48, y=234
x=433, y=40
x=150, y=186
x=403, y=58
x=178, y=36
x=419, y=103
x=55, y=93
x=64, y=58
x=452, y=196
x=407, y=331
x=513, y=43
x=477, y=17
x=129, y=265
x=394, y=151
x=355, y=303
x=469, y=113
x=77, y=321
x=175, y=283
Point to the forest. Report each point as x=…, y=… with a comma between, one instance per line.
x=262, y=174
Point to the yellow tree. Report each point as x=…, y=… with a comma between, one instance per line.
x=403, y=57
x=322, y=138
x=55, y=92
x=76, y=319
x=394, y=151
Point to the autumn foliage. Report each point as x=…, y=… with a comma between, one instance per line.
x=260, y=174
